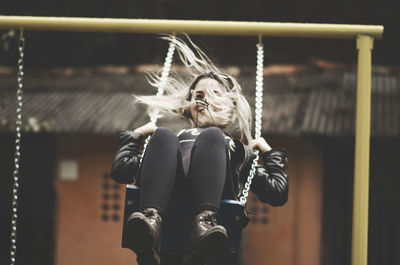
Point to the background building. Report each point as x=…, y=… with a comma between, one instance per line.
x=71, y=211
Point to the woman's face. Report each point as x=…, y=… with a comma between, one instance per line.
x=201, y=93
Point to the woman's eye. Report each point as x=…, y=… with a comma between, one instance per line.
x=217, y=92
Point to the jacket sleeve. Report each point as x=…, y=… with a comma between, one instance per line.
x=270, y=181
x=127, y=157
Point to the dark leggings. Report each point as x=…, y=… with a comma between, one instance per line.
x=209, y=178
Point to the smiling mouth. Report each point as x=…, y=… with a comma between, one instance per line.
x=201, y=110
x=201, y=106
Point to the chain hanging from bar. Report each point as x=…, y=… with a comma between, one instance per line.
x=14, y=217
x=160, y=90
x=258, y=117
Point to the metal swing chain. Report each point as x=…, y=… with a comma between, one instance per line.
x=160, y=90
x=17, y=156
x=258, y=117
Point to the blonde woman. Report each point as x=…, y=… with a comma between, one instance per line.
x=202, y=162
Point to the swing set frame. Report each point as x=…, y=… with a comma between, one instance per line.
x=363, y=34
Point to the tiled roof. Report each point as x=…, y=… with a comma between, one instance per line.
x=304, y=103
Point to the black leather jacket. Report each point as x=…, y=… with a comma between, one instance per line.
x=270, y=182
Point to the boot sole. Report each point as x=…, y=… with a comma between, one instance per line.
x=141, y=240
x=210, y=248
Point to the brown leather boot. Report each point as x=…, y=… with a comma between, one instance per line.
x=209, y=240
x=143, y=232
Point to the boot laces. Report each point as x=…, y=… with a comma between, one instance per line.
x=150, y=213
x=209, y=219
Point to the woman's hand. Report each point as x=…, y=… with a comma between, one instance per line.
x=260, y=144
x=147, y=129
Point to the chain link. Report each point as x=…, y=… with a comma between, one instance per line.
x=258, y=118
x=160, y=90
x=14, y=217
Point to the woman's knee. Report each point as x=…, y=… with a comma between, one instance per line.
x=212, y=135
x=164, y=136
x=163, y=132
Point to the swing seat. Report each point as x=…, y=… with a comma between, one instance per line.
x=176, y=224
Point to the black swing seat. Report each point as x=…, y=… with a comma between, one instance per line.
x=176, y=224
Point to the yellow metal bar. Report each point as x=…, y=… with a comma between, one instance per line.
x=361, y=162
x=232, y=28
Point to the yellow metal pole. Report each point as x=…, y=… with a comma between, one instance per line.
x=361, y=163
x=199, y=27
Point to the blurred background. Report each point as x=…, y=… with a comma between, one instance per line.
x=78, y=92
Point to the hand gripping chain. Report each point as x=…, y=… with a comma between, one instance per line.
x=17, y=156
x=258, y=115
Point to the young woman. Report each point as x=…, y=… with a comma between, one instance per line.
x=203, y=162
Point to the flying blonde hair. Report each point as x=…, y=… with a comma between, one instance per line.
x=230, y=110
